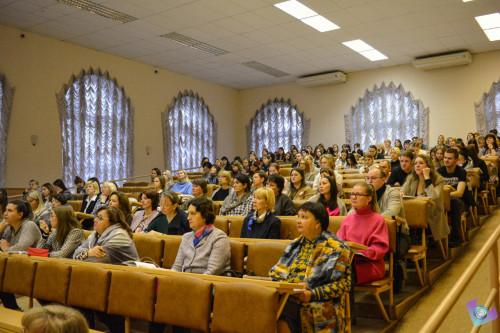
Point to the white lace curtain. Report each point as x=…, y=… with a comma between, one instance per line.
x=6, y=100
x=97, y=128
x=277, y=124
x=189, y=132
x=387, y=112
x=488, y=110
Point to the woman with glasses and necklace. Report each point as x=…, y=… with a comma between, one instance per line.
x=366, y=227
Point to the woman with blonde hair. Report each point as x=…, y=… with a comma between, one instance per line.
x=261, y=222
x=106, y=190
x=40, y=211
x=184, y=185
x=169, y=180
x=225, y=188
x=66, y=235
x=91, y=200
x=54, y=319
x=395, y=153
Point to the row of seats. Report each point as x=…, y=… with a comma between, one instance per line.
x=162, y=299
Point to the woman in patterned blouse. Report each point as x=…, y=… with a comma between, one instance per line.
x=320, y=261
x=65, y=238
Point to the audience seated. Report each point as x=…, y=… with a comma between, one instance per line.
x=240, y=202
x=59, y=187
x=142, y=218
x=258, y=180
x=366, y=227
x=319, y=260
x=424, y=181
x=261, y=222
x=120, y=201
x=199, y=191
x=206, y=250
x=225, y=188
x=374, y=152
x=155, y=172
x=341, y=162
x=266, y=162
x=328, y=197
x=380, y=149
x=47, y=194
x=283, y=205
x=40, y=212
x=169, y=180
x=352, y=163
x=58, y=200
x=298, y=188
x=399, y=173
x=183, y=186
x=456, y=177
x=173, y=220
x=33, y=185
x=159, y=184
x=66, y=234
x=386, y=166
x=478, y=163
x=80, y=185
x=111, y=242
x=368, y=163
x=207, y=166
x=394, y=154
x=490, y=147
x=213, y=177
x=17, y=234
x=91, y=202
x=326, y=162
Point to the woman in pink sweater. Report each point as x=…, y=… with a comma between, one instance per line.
x=367, y=227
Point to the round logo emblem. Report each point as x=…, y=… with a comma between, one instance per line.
x=480, y=312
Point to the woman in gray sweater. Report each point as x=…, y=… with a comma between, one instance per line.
x=206, y=250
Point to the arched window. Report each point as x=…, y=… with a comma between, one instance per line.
x=387, y=112
x=189, y=132
x=488, y=110
x=97, y=128
x=277, y=124
x=6, y=99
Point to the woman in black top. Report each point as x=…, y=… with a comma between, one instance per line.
x=173, y=221
x=261, y=222
x=225, y=187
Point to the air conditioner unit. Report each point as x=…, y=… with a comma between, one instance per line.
x=322, y=79
x=445, y=60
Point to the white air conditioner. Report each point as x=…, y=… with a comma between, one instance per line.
x=322, y=79
x=445, y=60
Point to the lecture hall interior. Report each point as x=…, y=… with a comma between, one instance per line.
x=236, y=57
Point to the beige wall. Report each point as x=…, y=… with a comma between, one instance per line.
x=38, y=67
x=449, y=93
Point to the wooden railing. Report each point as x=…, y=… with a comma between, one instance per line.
x=491, y=246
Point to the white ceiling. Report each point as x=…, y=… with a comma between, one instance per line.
x=254, y=30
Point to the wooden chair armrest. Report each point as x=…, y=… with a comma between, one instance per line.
x=83, y=215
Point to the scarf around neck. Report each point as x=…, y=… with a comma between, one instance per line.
x=201, y=233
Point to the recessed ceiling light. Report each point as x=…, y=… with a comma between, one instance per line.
x=493, y=34
x=320, y=23
x=265, y=69
x=193, y=43
x=306, y=15
x=100, y=10
x=296, y=9
x=468, y=0
x=489, y=21
x=490, y=24
x=365, y=50
x=358, y=45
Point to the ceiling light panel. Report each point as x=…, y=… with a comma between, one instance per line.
x=100, y=10
x=306, y=15
x=320, y=23
x=490, y=24
x=365, y=50
x=265, y=69
x=193, y=43
x=296, y=9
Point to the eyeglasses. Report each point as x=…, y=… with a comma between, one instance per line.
x=368, y=179
x=357, y=195
x=100, y=218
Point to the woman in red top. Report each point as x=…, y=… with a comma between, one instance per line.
x=367, y=227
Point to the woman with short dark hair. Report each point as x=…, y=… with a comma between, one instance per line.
x=298, y=188
x=173, y=221
x=206, y=250
x=320, y=261
x=59, y=187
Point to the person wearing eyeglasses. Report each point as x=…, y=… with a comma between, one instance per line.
x=111, y=242
x=366, y=227
x=225, y=188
